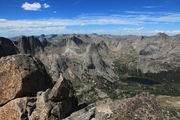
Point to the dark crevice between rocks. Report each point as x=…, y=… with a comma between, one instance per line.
x=81, y=106
x=92, y=116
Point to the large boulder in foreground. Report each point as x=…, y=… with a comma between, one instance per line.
x=17, y=109
x=21, y=75
x=44, y=106
x=7, y=47
x=62, y=90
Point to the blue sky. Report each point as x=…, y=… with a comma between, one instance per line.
x=117, y=17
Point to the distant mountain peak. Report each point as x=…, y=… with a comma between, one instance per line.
x=76, y=40
x=162, y=34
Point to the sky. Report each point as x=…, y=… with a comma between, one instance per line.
x=116, y=17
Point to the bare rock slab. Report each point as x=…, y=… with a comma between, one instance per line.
x=21, y=75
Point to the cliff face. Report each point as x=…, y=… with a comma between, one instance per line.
x=29, y=45
x=7, y=47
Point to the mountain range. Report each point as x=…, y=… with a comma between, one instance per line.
x=105, y=66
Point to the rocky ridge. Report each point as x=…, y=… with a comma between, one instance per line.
x=140, y=107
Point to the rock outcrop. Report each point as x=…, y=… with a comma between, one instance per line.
x=7, y=47
x=29, y=45
x=141, y=107
x=21, y=75
x=37, y=108
x=26, y=91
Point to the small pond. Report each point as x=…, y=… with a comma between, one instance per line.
x=141, y=80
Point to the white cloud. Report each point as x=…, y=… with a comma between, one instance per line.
x=63, y=22
x=148, y=7
x=142, y=17
x=45, y=5
x=2, y=20
x=125, y=31
x=131, y=19
x=151, y=6
x=133, y=29
x=11, y=32
x=127, y=19
x=33, y=7
x=24, y=30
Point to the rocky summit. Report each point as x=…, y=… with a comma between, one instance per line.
x=28, y=92
x=90, y=77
